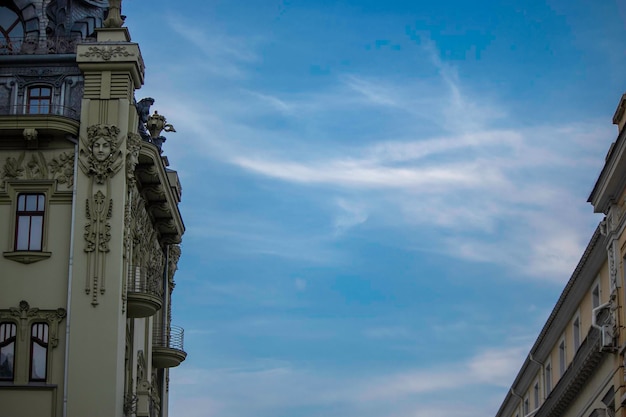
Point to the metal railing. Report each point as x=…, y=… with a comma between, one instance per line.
x=144, y=280
x=43, y=46
x=173, y=339
x=50, y=109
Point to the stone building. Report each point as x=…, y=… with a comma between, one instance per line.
x=89, y=220
x=576, y=366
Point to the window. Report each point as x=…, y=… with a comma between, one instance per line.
x=7, y=351
x=562, y=362
x=576, y=331
x=526, y=407
x=29, y=222
x=595, y=295
x=11, y=31
x=548, y=378
x=39, y=100
x=536, y=394
x=38, y=351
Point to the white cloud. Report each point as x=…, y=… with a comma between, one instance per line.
x=266, y=387
x=481, y=192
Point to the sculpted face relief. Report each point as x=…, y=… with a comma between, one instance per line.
x=101, y=149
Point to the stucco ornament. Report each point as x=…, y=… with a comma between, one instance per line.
x=62, y=168
x=115, y=18
x=100, y=156
x=27, y=315
x=133, y=145
x=13, y=167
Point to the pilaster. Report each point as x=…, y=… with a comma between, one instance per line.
x=113, y=69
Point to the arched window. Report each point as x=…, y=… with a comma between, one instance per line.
x=7, y=351
x=38, y=352
x=29, y=222
x=11, y=30
x=39, y=100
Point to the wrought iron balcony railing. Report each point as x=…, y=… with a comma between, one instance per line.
x=143, y=280
x=51, y=109
x=36, y=46
x=172, y=340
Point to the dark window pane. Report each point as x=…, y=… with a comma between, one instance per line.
x=39, y=352
x=7, y=351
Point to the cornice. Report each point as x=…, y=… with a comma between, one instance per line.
x=583, y=276
x=609, y=185
x=154, y=184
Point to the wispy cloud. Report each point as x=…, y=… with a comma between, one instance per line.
x=217, y=53
x=490, y=189
x=268, y=387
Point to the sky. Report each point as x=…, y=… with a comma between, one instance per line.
x=383, y=199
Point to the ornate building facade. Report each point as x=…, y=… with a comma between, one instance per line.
x=576, y=366
x=89, y=220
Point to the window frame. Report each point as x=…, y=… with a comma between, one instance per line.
x=536, y=394
x=43, y=101
x=526, y=405
x=576, y=332
x=596, y=288
x=22, y=212
x=547, y=378
x=46, y=187
x=562, y=356
x=42, y=342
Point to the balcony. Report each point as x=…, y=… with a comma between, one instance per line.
x=145, y=292
x=54, y=119
x=48, y=110
x=167, y=347
x=43, y=46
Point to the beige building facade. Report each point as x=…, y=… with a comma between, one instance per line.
x=576, y=366
x=89, y=220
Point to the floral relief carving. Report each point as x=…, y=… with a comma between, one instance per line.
x=100, y=156
x=62, y=168
x=107, y=52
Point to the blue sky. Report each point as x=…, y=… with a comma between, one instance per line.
x=383, y=200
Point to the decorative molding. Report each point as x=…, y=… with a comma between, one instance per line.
x=100, y=156
x=59, y=168
x=107, y=52
x=13, y=168
x=25, y=316
x=133, y=145
x=26, y=257
x=99, y=210
x=174, y=256
x=62, y=168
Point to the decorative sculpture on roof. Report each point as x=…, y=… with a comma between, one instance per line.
x=156, y=124
x=143, y=111
x=114, y=18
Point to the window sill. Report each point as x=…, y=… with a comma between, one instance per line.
x=27, y=257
